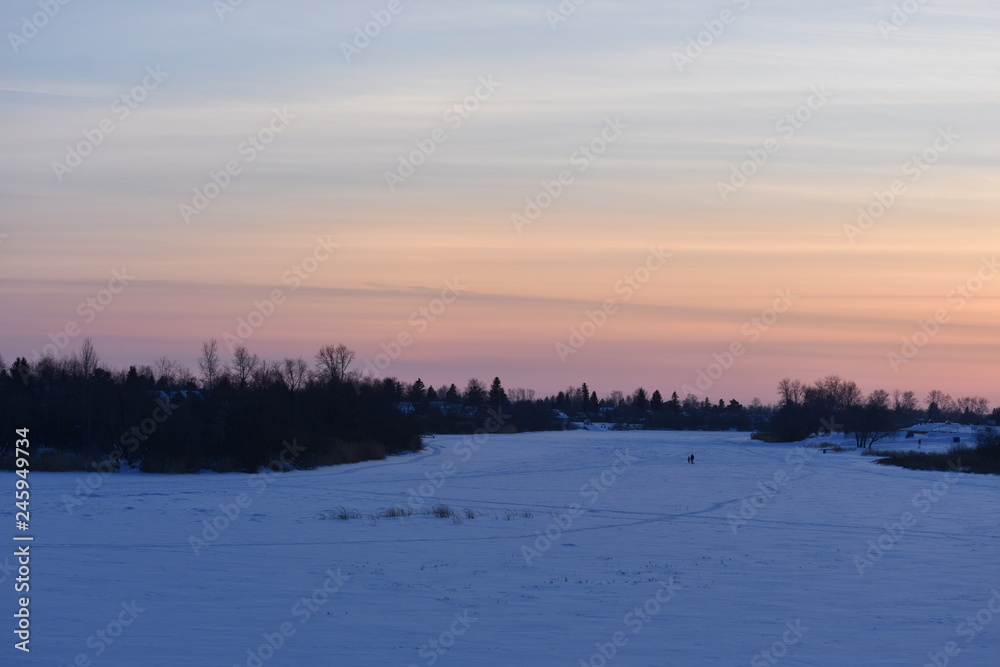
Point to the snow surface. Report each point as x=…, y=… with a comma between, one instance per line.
x=656, y=535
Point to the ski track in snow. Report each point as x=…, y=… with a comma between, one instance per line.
x=405, y=580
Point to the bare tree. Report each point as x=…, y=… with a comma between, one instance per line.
x=86, y=363
x=87, y=358
x=209, y=363
x=851, y=394
x=294, y=372
x=265, y=373
x=167, y=370
x=243, y=366
x=834, y=393
x=846, y=392
x=904, y=403
x=344, y=357
x=944, y=401
x=69, y=365
x=333, y=364
x=980, y=406
x=879, y=399
x=184, y=377
x=519, y=395
x=871, y=421
x=977, y=406
x=326, y=367
x=791, y=392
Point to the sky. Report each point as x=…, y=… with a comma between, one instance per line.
x=684, y=196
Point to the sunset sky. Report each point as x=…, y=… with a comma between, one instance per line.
x=822, y=106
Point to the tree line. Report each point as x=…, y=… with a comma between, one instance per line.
x=239, y=414
x=651, y=411
x=246, y=412
x=242, y=415
x=835, y=404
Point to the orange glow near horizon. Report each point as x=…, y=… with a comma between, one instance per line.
x=525, y=289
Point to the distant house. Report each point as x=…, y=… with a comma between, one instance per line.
x=454, y=409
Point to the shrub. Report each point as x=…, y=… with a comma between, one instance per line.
x=344, y=514
x=959, y=451
x=396, y=512
x=984, y=459
x=442, y=511
x=988, y=442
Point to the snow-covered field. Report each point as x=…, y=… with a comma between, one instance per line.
x=586, y=548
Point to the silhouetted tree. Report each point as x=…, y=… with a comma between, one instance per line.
x=474, y=393
x=294, y=373
x=584, y=398
x=905, y=401
x=209, y=363
x=972, y=408
x=945, y=403
x=640, y=402
x=333, y=364
x=418, y=394
x=790, y=392
x=497, y=396
x=871, y=420
x=21, y=369
x=88, y=358
x=243, y=366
